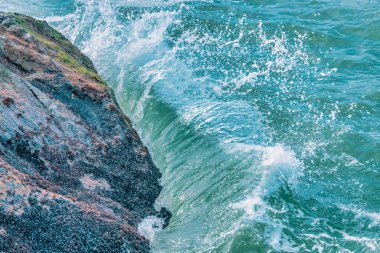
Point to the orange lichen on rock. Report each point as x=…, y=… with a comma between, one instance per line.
x=90, y=183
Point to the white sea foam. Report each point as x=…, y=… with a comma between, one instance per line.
x=372, y=217
x=280, y=242
x=370, y=243
x=145, y=36
x=278, y=165
x=59, y=18
x=149, y=226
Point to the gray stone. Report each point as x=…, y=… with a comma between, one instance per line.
x=75, y=176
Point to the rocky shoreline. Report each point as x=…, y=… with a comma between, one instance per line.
x=74, y=174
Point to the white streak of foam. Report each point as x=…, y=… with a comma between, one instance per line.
x=329, y=72
x=372, y=244
x=59, y=18
x=374, y=218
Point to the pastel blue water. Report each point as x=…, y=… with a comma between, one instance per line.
x=263, y=116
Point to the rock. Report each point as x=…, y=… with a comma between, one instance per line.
x=74, y=175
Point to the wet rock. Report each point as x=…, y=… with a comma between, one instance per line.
x=74, y=175
x=8, y=102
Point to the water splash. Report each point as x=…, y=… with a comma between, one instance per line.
x=149, y=226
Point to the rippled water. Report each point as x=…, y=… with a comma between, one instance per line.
x=263, y=116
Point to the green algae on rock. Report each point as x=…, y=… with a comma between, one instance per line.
x=60, y=48
x=74, y=175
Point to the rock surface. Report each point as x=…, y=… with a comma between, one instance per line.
x=74, y=175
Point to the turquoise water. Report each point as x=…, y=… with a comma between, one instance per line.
x=263, y=116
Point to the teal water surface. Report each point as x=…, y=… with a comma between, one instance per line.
x=263, y=116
